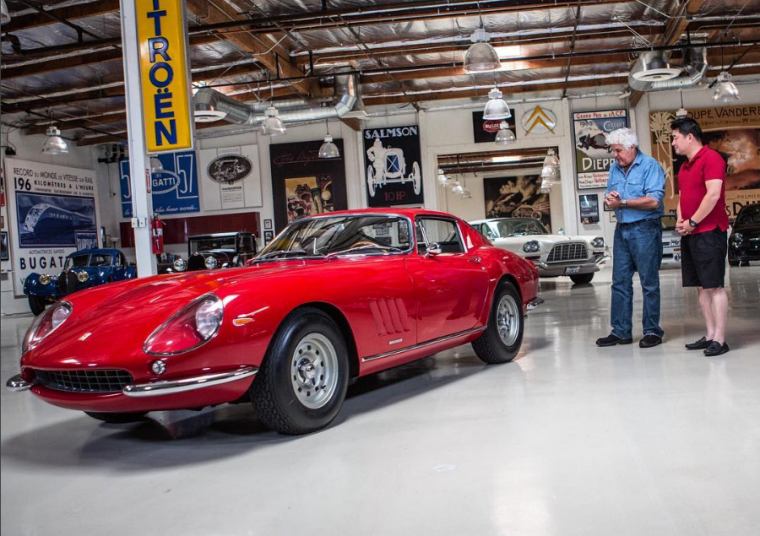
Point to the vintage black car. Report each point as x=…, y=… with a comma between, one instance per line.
x=744, y=243
x=218, y=250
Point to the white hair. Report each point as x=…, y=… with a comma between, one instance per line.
x=623, y=136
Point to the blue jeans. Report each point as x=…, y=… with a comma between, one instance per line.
x=637, y=248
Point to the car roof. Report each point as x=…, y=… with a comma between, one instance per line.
x=407, y=212
x=102, y=251
x=221, y=235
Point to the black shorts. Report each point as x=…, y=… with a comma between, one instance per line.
x=703, y=259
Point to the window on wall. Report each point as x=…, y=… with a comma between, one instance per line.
x=443, y=232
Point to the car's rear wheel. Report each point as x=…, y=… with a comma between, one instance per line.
x=503, y=335
x=302, y=382
x=37, y=305
x=117, y=418
x=582, y=279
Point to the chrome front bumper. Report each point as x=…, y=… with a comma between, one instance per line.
x=590, y=265
x=161, y=388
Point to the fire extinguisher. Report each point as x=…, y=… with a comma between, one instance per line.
x=157, y=234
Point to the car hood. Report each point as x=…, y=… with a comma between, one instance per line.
x=515, y=243
x=750, y=230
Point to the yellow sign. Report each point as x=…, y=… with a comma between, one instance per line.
x=164, y=75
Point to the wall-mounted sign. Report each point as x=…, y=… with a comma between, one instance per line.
x=164, y=71
x=55, y=214
x=733, y=131
x=174, y=190
x=392, y=160
x=539, y=122
x=516, y=197
x=484, y=130
x=589, y=205
x=230, y=177
x=592, y=155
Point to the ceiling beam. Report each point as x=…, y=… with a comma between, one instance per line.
x=278, y=64
x=77, y=11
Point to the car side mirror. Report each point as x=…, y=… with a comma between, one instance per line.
x=434, y=249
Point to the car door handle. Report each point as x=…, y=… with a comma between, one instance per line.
x=476, y=260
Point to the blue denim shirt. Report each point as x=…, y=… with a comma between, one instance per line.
x=645, y=179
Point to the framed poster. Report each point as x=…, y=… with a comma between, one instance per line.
x=304, y=184
x=230, y=177
x=589, y=204
x=484, y=130
x=592, y=155
x=732, y=131
x=392, y=160
x=54, y=213
x=174, y=189
x=516, y=197
x=4, y=250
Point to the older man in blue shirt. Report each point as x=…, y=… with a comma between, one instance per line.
x=635, y=190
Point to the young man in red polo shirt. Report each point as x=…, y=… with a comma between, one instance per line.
x=703, y=224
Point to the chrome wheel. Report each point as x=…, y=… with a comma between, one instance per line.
x=314, y=370
x=508, y=320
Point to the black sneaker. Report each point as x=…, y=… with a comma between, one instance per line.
x=701, y=344
x=716, y=348
x=612, y=340
x=650, y=341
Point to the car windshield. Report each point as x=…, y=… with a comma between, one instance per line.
x=668, y=223
x=517, y=227
x=344, y=235
x=749, y=215
x=211, y=242
x=76, y=261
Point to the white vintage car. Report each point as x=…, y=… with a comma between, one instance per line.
x=578, y=257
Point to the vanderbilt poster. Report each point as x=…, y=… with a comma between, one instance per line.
x=734, y=132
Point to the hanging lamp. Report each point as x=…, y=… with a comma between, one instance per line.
x=481, y=56
x=54, y=143
x=328, y=149
x=504, y=136
x=496, y=107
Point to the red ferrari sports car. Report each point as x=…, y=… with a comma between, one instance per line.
x=331, y=298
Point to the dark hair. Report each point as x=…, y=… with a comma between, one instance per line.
x=686, y=126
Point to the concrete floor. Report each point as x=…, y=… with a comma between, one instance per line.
x=567, y=440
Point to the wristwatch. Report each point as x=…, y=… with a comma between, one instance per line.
x=624, y=202
x=693, y=223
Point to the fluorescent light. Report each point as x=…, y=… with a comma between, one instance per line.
x=499, y=159
x=509, y=51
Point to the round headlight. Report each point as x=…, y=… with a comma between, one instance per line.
x=46, y=323
x=180, y=265
x=208, y=318
x=598, y=242
x=82, y=276
x=531, y=247
x=210, y=263
x=737, y=237
x=44, y=279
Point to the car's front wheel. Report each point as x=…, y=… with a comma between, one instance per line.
x=37, y=305
x=117, y=418
x=302, y=382
x=503, y=335
x=582, y=279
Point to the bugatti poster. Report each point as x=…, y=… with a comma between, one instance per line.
x=592, y=155
x=393, y=166
x=54, y=213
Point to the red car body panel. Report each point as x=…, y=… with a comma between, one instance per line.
x=391, y=304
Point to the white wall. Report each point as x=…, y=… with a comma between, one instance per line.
x=30, y=148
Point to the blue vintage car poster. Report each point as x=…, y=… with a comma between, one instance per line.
x=174, y=190
x=53, y=212
x=392, y=160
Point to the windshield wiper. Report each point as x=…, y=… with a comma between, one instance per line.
x=361, y=248
x=281, y=253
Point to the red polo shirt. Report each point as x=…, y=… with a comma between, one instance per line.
x=706, y=165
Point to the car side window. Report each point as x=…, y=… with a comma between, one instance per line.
x=443, y=232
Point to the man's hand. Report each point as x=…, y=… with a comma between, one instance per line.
x=683, y=227
x=612, y=199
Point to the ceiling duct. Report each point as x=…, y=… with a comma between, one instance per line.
x=211, y=105
x=653, y=66
x=690, y=74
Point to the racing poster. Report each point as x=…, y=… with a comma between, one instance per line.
x=174, y=189
x=54, y=212
x=393, y=166
x=230, y=177
x=304, y=184
x=733, y=131
x=592, y=155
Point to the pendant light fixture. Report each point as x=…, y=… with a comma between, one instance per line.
x=496, y=107
x=681, y=112
x=328, y=148
x=155, y=164
x=504, y=136
x=443, y=180
x=272, y=125
x=726, y=91
x=457, y=188
x=551, y=165
x=54, y=143
x=481, y=56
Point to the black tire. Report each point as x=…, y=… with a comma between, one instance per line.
x=117, y=418
x=490, y=347
x=273, y=392
x=733, y=263
x=37, y=305
x=744, y=263
x=582, y=279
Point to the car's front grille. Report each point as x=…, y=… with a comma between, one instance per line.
x=569, y=251
x=85, y=381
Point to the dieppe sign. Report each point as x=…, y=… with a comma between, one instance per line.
x=164, y=75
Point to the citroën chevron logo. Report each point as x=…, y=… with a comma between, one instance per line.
x=539, y=122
